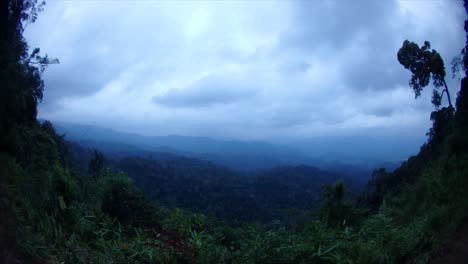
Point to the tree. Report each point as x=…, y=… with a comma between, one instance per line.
x=21, y=84
x=96, y=164
x=425, y=64
x=123, y=201
x=59, y=140
x=377, y=187
x=333, y=197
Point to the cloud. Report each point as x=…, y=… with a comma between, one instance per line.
x=208, y=91
x=331, y=25
x=363, y=36
x=250, y=70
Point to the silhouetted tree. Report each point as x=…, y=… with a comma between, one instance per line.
x=333, y=196
x=461, y=117
x=96, y=164
x=377, y=186
x=424, y=63
x=20, y=72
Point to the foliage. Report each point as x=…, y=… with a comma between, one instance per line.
x=96, y=164
x=54, y=214
x=121, y=200
x=21, y=71
x=229, y=195
x=425, y=64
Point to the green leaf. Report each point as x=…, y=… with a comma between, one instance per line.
x=62, y=204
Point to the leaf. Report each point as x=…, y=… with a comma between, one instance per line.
x=62, y=204
x=331, y=248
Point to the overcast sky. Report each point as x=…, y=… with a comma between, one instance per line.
x=270, y=70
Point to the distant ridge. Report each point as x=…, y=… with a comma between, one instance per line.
x=248, y=155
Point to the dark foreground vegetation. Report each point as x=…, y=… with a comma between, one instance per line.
x=52, y=213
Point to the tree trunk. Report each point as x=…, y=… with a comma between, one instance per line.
x=448, y=94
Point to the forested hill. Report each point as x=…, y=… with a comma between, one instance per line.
x=245, y=164
x=260, y=196
x=52, y=213
x=239, y=155
x=234, y=196
x=328, y=153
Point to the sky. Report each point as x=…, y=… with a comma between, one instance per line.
x=266, y=70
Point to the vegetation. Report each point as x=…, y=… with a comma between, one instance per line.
x=52, y=213
x=425, y=64
x=234, y=197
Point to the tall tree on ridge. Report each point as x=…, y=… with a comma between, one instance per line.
x=425, y=64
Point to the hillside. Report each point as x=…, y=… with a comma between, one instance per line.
x=326, y=153
x=204, y=187
x=64, y=203
x=240, y=155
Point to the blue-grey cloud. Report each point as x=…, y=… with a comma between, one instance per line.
x=205, y=92
x=363, y=37
x=253, y=70
x=332, y=25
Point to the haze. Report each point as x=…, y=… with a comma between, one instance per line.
x=284, y=71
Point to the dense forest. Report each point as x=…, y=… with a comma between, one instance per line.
x=203, y=187
x=63, y=203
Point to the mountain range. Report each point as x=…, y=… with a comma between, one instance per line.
x=331, y=153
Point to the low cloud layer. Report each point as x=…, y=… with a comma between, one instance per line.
x=206, y=92
x=283, y=70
